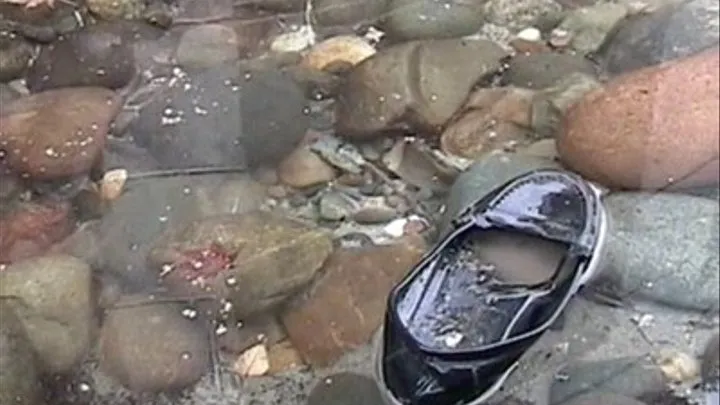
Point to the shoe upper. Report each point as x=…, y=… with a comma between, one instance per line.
x=453, y=326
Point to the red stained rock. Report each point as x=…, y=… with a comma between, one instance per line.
x=32, y=228
x=652, y=128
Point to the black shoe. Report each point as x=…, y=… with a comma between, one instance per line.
x=457, y=324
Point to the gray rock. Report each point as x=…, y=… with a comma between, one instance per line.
x=54, y=303
x=590, y=26
x=415, y=85
x=19, y=376
x=604, y=398
x=426, y=19
x=669, y=33
x=153, y=347
x=335, y=206
x=664, y=247
x=710, y=365
x=8, y=94
x=345, y=389
x=15, y=55
x=347, y=12
x=101, y=55
x=207, y=45
x=227, y=115
x=543, y=70
x=630, y=376
x=519, y=14
x=485, y=175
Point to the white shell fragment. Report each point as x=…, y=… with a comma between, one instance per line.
x=253, y=362
x=113, y=183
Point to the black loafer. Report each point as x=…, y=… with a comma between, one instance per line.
x=457, y=324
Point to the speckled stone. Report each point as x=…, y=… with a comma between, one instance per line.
x=653, y=128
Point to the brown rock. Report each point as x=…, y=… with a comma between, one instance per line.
x=417, y=85
x=304, y=168
x=31, y=228
x=345, y=307
x=152, y=348
x=57, y=133
x=283, y=357
x=649, y=129
x=100, y=55
x=253, y=260
x=492, y=119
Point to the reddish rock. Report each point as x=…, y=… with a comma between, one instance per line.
x=652, y=128
x=345, y=307
x=30, y=229
x=492, y=119
x=56, y=133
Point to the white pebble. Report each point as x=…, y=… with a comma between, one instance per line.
x=531, y=34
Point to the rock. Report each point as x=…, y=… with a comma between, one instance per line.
x=57, y=133
x=544, y=148
x=15, y=56
x=97, y=56
x=153, y=347
x=672, y=32
x=55, y=305
x=710, y=366
x=663, y=248
x=304, y=168
x=116, y=9
x=29, y=229
x=485, y=175
x=335, y=206
x=226, y=115
x=236, y=194
x=542, y=70
x=19, y=376
x=345, y=389
x=254, y=260
x=518, y=14
x=629, y=376
x=283, y=357
x=341, y=50
x=590, y=26
x=278, y=5
x=653, y=128
x=429, y=19
x=569, y=90
x=126, y=232
x=492, y=119
x=8, y=94
x=603, y=398
x=207, y=45
x=347, y=12
x=345, y=306
x=385, y=92
x=550, y=105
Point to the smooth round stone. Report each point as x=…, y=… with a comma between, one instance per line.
x=655, y=128
x=543, y=70
x=663, y=247
x=207, y=45
x=419, y=19
x=674, y=31
x=226, y=115
x=101, y=55
x=347, y=12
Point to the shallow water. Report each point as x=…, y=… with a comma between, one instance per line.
x=208, y=201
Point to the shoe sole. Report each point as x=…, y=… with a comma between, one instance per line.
x=592, y=270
